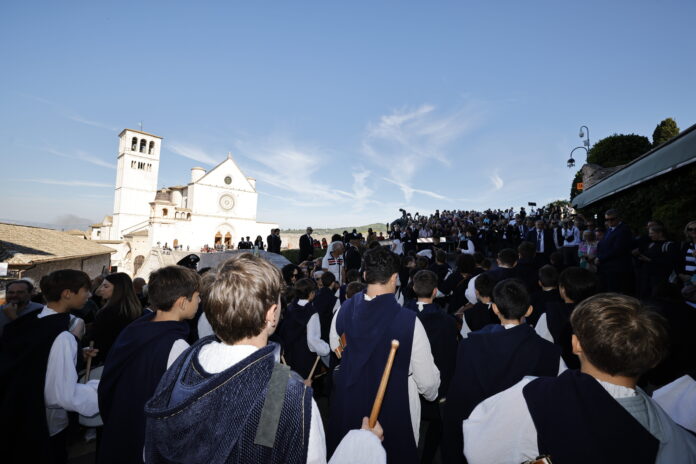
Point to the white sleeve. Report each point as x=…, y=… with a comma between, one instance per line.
x=77, y=327
x=470, y=248
x=360, y=446
x=334, y=338
x=465, y=328
x=325, y=261
x=61, y=388
x=678, y=399
x=502, y=415
x=542, y=328
x=337, y=306
x=178, y=347
x=561, y=366
x=471, y=290
x=314, y=341
x=204, y=327
x=316, y=447
x=425, y=373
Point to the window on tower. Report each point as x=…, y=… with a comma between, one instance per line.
x=164, y=212
x=134, y=144
x=143, y=144
x=151, y=148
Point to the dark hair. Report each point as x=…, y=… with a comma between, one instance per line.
x=479, y=257
x=353, y=288
x=548, y=276
x=484, y=285
x=466, y=264
x=29, y=285
x=123, y=298
x=380, y=264
x=352, y=275
x=440, y=256
x=424, y=282
x=511, y=298
x=245, y=289
x=289, y=270
x=422, y=262
x=55, y=283
x=507, y=256
x=486, y=263
x=327, y=278
x=578, y=283
x=168, y=284
x=337, y=237
x=556, y=258
x=619, y=336
x=304, y=287
x=526, y=250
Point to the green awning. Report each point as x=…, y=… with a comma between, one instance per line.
x=671, y=155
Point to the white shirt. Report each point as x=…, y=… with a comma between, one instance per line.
x=506, y=415
x=470, y=292
x=397, y=247
x=333, y=265
x=215, y=357
x=423, y=375
x=314, y=341
x=678, y=399
x=204, y=327
x=542, y=329
x=62, y=392
x=574, y=234
x=470, y=248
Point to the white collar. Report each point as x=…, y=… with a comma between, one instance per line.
x=302, y=302
x=617, y=391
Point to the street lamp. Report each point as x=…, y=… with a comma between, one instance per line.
x=586, y=133
x=571, y=161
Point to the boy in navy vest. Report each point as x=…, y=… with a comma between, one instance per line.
x=441, y=329
x=596, y=414
x=302, y=346
x=226, y=399
x=574, y=285
x=481, y=314
x=495, y=358
x=370, y=320
x=546, y=293
x=141, y=354
x=38, y=379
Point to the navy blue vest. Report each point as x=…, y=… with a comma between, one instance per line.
x=294, y=337
x=558, y=322
x=479, y=316
x=370, y=326
x=577, y=421
x=488, y=362
x=134, y=367
x=324, y=302
x=24, y=349
x=229, y=417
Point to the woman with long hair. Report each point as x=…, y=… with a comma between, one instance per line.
x=121, y=308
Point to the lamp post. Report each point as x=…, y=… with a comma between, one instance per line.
x=571, y=161
x=586, y=134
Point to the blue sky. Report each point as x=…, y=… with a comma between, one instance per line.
x=343, y=111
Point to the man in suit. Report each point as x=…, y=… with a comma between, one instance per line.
x=614, y=264
x=306, y=245
x=542, y=239
x=274, y=241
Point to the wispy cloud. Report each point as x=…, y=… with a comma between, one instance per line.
x=192, y=152
x=83, y=156
x=70, y=183
x=80, y=119
x=406, y=140
x=496, y=181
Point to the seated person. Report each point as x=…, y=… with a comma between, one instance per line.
x=596, y=414
x=494, y=359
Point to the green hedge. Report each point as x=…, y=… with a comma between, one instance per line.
x=294, y=255
x=670, y=198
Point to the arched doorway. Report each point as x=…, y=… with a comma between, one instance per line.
x=218, y=238
x=138, y=263
x=228, y=240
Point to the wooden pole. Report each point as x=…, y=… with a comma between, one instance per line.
x=377, y=405
x=89, y=363
x=311, y=373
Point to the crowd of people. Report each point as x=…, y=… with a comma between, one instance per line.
x=522, y=336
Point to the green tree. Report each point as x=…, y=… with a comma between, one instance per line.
x=664, y=131
x=574, y=192
x=618, y=149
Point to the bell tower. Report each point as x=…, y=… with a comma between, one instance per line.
x=136, y=180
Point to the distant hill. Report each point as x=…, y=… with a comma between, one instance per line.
x=377, y=227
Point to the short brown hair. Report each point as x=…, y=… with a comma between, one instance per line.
x=245, y=288
x=354, y=287
x=170, y=283
x=53, y=284
x=619, y=335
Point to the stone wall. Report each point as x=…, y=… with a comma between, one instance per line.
x=92, y=265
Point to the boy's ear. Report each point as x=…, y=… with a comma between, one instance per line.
x=66, y=294
x=495, y=309
x=434, y=293
x=530, y=310
x=575, y=343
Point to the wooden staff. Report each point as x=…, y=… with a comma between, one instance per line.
x=311, y=373
x=89, y=363
x=377, y=405
x=282, y=360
